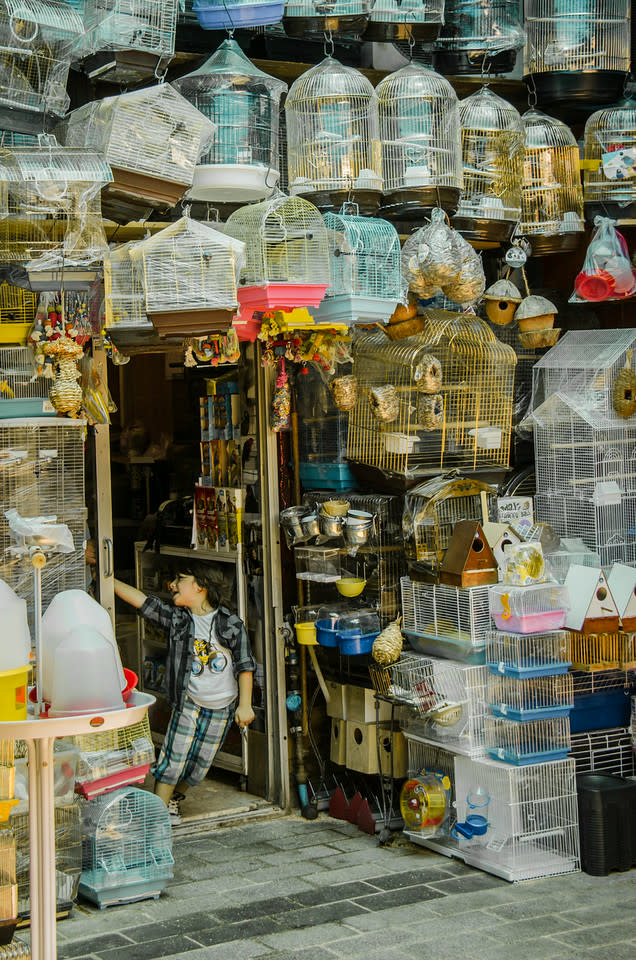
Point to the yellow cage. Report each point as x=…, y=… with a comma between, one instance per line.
x=17, y=313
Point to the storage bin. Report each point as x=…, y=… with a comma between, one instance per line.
x=597, y=711
x=606, y=822
x=537, y=608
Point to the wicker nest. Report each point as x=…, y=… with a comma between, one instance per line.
x=533, y=339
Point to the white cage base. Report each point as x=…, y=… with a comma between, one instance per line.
x=232, y=182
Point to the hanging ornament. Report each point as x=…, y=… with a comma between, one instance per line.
x=65, y=393
x=502, y=298
x=281, y=401
x=624, y=389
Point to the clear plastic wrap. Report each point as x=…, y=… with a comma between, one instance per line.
x=607, y=273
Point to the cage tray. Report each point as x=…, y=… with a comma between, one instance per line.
x=523, y=760
x=531, y=670
x=123, y=778
x=531, y=622
x=350, y=309
x=26, y=407
x=240, y=182
x=124, y=892
x=191, y=322
x=151, y=190
x=521, y=714
x=279, y=296
x=234, y=16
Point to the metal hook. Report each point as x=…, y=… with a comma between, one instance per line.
x=411, y=43
x=485, y=70
x=532, y=93
x=328, y=46
x=232, y=26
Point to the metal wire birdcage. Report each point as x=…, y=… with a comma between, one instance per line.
x=22, y=392
x=242, y=164
x=421, y=143
x=479, y=36
x=124, y=299
x=36, y=43
x=606, y=192
x=113, y=758
x=551, y=192
x=316, y=18
x=446, y=621
x=322, y=435
x=333, y=147
x=577, y=51
x=408, y=423
x=607, y=751
x=152, y=139
x=525, y=656
x=189, y=273
x=492, y=155
x=593, y=652
x=237, y=14
x=533, y=698
x=68, y=858
x=417, y=20
x=530, y=742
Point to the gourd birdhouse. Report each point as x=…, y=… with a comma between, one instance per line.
x=535, y=317
x=478, y=36
x=592, y=606
x=468, y=561
x=502, y=299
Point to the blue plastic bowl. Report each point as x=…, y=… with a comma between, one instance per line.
x=216, y=17
x=350, y=646
x=325, y=634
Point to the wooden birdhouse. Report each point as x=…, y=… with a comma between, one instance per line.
x=592, y=606
x=499, y=536
x=469, y=561
x=622, y=584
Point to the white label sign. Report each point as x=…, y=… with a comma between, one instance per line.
x=514, y=509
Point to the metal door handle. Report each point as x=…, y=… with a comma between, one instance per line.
x=108, y=546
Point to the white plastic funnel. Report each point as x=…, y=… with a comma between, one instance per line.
x=85, y=675
x=15, y=639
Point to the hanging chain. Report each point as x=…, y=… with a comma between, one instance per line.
x=328, y=45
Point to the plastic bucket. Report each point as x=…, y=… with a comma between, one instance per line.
x=13, y=694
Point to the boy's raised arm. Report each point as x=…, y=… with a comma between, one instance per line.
x=131, y=595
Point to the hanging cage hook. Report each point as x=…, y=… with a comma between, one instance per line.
x=328, y=45
x=532, y=93
x=411, y=42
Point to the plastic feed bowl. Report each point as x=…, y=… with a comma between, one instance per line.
x=306, y=633
x=131, y=683
x=326, y=635
x=350, y=586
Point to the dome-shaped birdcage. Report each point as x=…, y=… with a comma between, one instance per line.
x=234, y=14
x=492, y=154
x=391, y=20
x=421, y=144
x=333, y=147
x=314, y=18
x=479, y=36
x=243, y=102
x=609, y=189
x=551, y=192
x=577, y=52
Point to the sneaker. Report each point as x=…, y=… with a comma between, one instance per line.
x=174, y=808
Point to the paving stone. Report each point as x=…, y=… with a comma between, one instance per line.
x=237, y=950
x=392, y=917
x=249, y=929
x=311, y=953
x=607, y=933
x=168, y=947
x=331, y=894
x=619, y=951
x=307, y=936
x=66, y=951
x=323, y=913
x=394, y=898
x=408, y=878
x=261, y=908
x=526, y=929
x=190, y=924
x=468, y=884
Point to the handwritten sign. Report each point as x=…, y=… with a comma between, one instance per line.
x=514, y=509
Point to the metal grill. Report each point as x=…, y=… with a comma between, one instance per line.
x=481, y=27
x=113, y=752
x=322, y=427
x=146, y=27
x=607, y=751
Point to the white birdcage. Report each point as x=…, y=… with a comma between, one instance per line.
x=152, y=139
x=391, y=20
x=364, y=267
x=532, y=698
x=577, y=51
x=607, y=751
x=492, y=154
x=333, y=147
x=532, y=817
x=421, y=143
x=189, y=273
x=113, y=758
x=479, y=36
x=425, y=759
x=524, y=656
x=316, y=18
x=36, y=42
x=440, y=399
x=243, y=103
x=606, y=191
x=533, y=741
x=68, y=858
x=446, y=621
x=22, y=392
x=237, y=14
x=551, y=191
x=127, y=847
x=126, y=41
x=124, y=298
x=286, y=255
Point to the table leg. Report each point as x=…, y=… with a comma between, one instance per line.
x=42, y=849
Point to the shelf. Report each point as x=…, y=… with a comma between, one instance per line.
x=224, y=556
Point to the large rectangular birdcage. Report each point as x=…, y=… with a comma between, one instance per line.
x=606, y=751
x=535, y=741
x=440, y=399
x=445, y=621
x=531, y=698
x=68, y=857
x=528, y=655
x=142, y=29
x=322, y=427
x=604, y=526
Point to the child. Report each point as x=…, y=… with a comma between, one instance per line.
x=208, y=675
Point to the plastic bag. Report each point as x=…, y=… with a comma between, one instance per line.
x=437, y=259
x=39, y=532
x=607, y=273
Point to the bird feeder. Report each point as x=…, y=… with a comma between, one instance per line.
x=478, y=36
x=609, y=181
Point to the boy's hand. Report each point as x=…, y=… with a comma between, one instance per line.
x=90, y=556
x=243, y=715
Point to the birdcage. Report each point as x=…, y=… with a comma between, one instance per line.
x=189, y=273
x=437, y=400
x=577, y=51
x=532, y=817
x=391, y=20
x=592, y=652
x=534, y=741
x=364, y=267
x=17, y=313
x=492, y=155
x=526, y=656
x=152, y=139
x=124, y=298
x=239, y=14
x=479, y=36
x=243, y=103
x=322, y=435
x=68, y=858
x=536, y=608
x=333, y=147
x=22, y=392
x=36, y=40
x=606, y=191
x=532, y=698
x=127, y=847
x=114, y=758
x=8, y=887
x=286, y=255
x=421, y=143
x=315, y=18
x=551, y=192
x=445, y=621
x=405, y=682
x=607, y=751
x=126, y=41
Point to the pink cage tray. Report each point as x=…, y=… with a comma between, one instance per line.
x=530, y=622
x=122, y=778
x=278, y=296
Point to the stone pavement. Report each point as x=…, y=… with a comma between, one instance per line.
x=290, y=889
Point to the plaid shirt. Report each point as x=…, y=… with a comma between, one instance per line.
x=177, y=622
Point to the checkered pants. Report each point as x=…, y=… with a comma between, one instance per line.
x=194, y=736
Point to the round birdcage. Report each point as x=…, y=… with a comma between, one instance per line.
x=314, y=18
x=609, y=190
x=577, y=51
x=479, y=36
x=551, y=192
x=492, y=155
x=333, y=146
x=243, y=102
x=391, y=20
x=421, y=144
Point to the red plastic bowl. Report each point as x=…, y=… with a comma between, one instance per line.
x=594, y=286
x=131, y=682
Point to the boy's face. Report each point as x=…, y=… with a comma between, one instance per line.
x=186, y=592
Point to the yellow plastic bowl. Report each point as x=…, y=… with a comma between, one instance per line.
x=350, y=586
x=306, y=633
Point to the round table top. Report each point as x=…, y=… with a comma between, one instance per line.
x=39, y=728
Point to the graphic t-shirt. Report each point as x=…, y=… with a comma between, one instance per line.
x=212, y=682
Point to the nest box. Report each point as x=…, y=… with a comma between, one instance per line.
x=622, y=584
x=499, y=536
x=592, y=606
x=469, y=560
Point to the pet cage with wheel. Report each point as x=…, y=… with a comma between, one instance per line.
x=237, y=14
x=315, y=18
x=551, y=192
x=421, y=144
x=391, y=20
x=425, y=759
x=322, y=435
x=36, y=44
x=127, y=847
x=152, y=139
x=492, y=155
x=126, y=41
x=438, y=400
x=242, y=164
x=189, y=273
x=479, y=36
x=22, y=392
x=333, y=147
x=68, y=858
x=577, y=52
x=606, y=191
x=364, y=267
x=124, y=299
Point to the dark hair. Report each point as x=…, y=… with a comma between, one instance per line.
x=201, y=574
